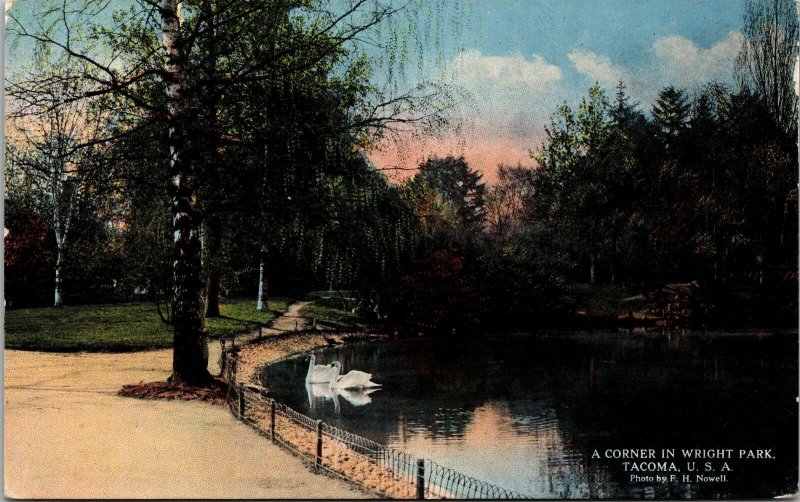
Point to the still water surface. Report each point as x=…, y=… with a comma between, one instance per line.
x=526, y=412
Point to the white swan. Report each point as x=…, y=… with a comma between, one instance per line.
x=319, y=373
x=354, y=379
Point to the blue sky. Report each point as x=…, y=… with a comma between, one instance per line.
x=518, y=60
x=521, y=59
x=626, y=32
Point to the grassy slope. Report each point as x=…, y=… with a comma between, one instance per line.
x=333, y=309
x=240, y=316
x=335, y=317
x=118, y=327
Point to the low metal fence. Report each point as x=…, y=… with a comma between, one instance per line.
x=386, y=471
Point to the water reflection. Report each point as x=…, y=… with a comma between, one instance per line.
x=320, y=393
x=525, y=412
x=357, y=397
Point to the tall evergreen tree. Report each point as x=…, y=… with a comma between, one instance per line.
x=671, y=112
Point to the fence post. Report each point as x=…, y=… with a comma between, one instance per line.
x=319, y=444
x=260, y=332
x=223, y=360
x=272, y=421
x=241, y=401
x=420, y=479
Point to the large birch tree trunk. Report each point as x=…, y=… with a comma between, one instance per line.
x=189, y=364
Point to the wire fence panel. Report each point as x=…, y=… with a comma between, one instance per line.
x=443, y=482
x=386, y=471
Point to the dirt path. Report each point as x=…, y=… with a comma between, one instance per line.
x=288, y=321
x=291, y=319
x=68, y=435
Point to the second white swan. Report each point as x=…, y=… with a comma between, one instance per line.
x=319, y=373
x=353, y=379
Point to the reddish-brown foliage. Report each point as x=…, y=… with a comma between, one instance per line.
x=215, y=393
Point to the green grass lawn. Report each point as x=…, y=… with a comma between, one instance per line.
x=333, y=308
x=119, y=327
x=334, y=317
x=239, y=315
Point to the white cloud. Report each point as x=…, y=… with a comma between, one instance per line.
x=512, y=93
x=689, y=66
x=511, y=98
x=599, y=68
x=675, y=60
x=515, y=70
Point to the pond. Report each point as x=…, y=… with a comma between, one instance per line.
x=527, y=412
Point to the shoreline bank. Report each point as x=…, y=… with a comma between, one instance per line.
x=250, y=358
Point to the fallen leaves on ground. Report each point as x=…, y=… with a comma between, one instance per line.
x=215, y=393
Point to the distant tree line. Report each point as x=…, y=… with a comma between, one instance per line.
x=700, y=189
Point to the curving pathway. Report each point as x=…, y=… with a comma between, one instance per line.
x=68, y=435
x=291, y=320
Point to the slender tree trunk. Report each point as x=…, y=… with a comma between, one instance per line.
x=212, y=294
x=189, y=363
x=212, y=249
x=61, y=224
x=263, y=288
x=592, y=260
x=57, y=300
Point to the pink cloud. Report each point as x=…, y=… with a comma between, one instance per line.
x=483, y=152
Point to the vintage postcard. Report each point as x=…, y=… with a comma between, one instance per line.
x=326, y=249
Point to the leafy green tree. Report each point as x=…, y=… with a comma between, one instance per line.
x=572, y=184
x=369, y=237
x=449, y=198
x=523, y=285
x=306, y=137
x=173, y=63
x=438, y=295
x=141, y=161
x=49, y=155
